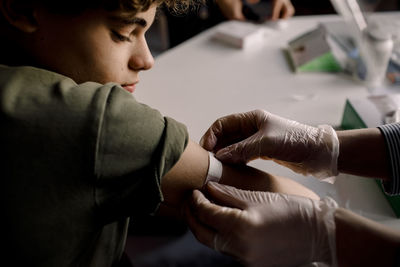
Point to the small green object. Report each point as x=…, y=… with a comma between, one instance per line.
x=351, y=119
x=326, y=62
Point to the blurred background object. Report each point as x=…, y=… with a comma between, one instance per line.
x=170, y=29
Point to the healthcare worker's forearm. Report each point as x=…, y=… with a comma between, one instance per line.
x=190, y=173
x=249, y=178
x=363, y=152
x=363, y=242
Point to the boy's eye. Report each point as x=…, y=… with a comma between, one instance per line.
x=120, y=37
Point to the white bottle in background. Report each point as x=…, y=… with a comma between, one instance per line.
x=376, y=48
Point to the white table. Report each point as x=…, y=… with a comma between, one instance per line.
x=201, y=80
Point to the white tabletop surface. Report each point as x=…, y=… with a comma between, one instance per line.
x=201, y=80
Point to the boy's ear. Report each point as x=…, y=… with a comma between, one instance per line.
x=20, y=14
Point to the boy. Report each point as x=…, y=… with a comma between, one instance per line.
x=82, y=156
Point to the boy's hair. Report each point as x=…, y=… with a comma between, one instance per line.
x=134, y=6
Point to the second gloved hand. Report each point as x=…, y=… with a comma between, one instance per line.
x=259, y=134
x=264, y=228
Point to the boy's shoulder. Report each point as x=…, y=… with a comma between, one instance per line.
x=28, y=73
x=34, y=80
x=27, y=89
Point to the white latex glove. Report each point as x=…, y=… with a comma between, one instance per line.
x=263, y=228
x=259, y=134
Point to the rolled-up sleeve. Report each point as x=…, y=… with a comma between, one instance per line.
x=391, y=133
x=136, y=147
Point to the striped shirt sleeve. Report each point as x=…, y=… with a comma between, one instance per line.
x=391, y=134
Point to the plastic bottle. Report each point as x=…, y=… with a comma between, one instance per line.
x=376, y=49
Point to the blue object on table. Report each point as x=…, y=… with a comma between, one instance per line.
x=393, y=72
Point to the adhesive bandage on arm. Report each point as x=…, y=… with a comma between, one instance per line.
x=214, y=169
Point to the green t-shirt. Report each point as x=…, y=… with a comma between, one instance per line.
x=78, y=160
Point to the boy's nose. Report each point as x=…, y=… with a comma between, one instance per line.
x=142, y=59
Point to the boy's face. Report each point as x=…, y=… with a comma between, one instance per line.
x=95, y=46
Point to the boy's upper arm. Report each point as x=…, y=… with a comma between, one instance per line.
x=136, y=147
x=191, y=171
x=187, y=174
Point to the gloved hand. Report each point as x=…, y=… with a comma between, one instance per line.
x=264, y=228
x=259, y=134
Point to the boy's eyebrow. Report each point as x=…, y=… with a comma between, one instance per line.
x=129, y=20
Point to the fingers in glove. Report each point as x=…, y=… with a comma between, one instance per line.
x=229, y=130
x=210, y=214
x=241, y=152
x=202, y=232
x=214, y=225
x=237, y=198
x=228, y=196
x=208, y=141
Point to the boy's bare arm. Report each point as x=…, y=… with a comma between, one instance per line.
x=191, y=170
x=362, y=242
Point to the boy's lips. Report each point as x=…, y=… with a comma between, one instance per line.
x=129, y=87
